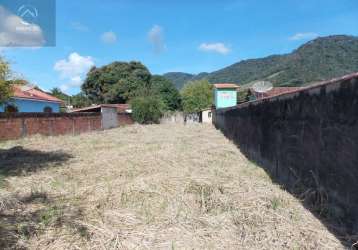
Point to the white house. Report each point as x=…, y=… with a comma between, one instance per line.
x=206, y=116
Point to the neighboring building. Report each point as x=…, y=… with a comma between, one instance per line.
x=29, y=99
x=225, y=95
x=273, y=92
x=113, y=115
x=206, y=116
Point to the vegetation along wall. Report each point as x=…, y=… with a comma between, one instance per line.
x=307, y=141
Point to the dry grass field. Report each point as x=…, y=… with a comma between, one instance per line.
x=146, y=187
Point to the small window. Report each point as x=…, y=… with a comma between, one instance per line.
x=209, y=114
x=47, y=110
x=11, y=109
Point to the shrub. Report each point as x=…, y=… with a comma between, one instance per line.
x=196, y=96
x=147, y=110
x=166, y=91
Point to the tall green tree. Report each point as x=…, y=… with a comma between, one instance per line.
x=80, y=100
x=5, y=85
x=117, y=82
x=196, y=96
x=166, y=91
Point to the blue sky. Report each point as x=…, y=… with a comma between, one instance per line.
x=187, y=36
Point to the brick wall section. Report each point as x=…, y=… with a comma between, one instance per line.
x=125, y=119
x=19, y=125
x=10, y=128
x=305, y=139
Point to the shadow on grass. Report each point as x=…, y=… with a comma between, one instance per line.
x=315, y=198
x=25, y=216
x=31, y=215
x=19, y=161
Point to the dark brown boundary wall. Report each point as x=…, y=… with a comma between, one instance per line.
x=14, y=126
x=308, y=142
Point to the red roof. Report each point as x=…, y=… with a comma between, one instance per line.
x=275, y=91
x=121, y=108
x=27, y=92
x=225, y=86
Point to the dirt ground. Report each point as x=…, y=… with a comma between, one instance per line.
x=146, y=187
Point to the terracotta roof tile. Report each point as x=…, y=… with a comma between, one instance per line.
x=225, y=85
x=121, y=108
x=26, y=92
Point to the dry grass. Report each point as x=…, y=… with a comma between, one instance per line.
x=148, y=187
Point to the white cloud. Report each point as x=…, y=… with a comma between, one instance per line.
x=74, y=82
x=156, y=38
x=79, y=26
x=109, y=37
x=303, y=36
x=17, y=33
x=64, y=88
x=220, y=48
x=73, y=69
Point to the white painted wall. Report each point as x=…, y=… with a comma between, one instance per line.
x=207, y=116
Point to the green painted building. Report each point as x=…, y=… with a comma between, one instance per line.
x=225, y=95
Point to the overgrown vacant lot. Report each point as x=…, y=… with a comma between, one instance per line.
x=146, y=187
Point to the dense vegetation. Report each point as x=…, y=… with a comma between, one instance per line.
x=196, y=96
x=79, y=100
x=5, y=88
x=7, y=79
x=166, y=92
x=320, y=59
x=122, y=82
x=117, y=82
x=147, y=110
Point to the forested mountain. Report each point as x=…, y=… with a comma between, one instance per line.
x=319, y=59
x=179, y=78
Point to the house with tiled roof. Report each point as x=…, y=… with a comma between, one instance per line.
x=30, y=99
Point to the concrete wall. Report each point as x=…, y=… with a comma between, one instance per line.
x=19, y=125
x=172, y=117
x=109, y=117
x=24, y=105
x=307, y=141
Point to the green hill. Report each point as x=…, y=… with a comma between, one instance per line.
x=178, y=78
x=319, y=59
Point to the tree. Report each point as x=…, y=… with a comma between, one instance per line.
x=56, y=92
x=18, y=81
x=80, y=100
x=243, y=96
x=117, y=82
x=77, y=101
x=196, y=96
x=148, y=109
x=5, y=85
x=166, y=91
